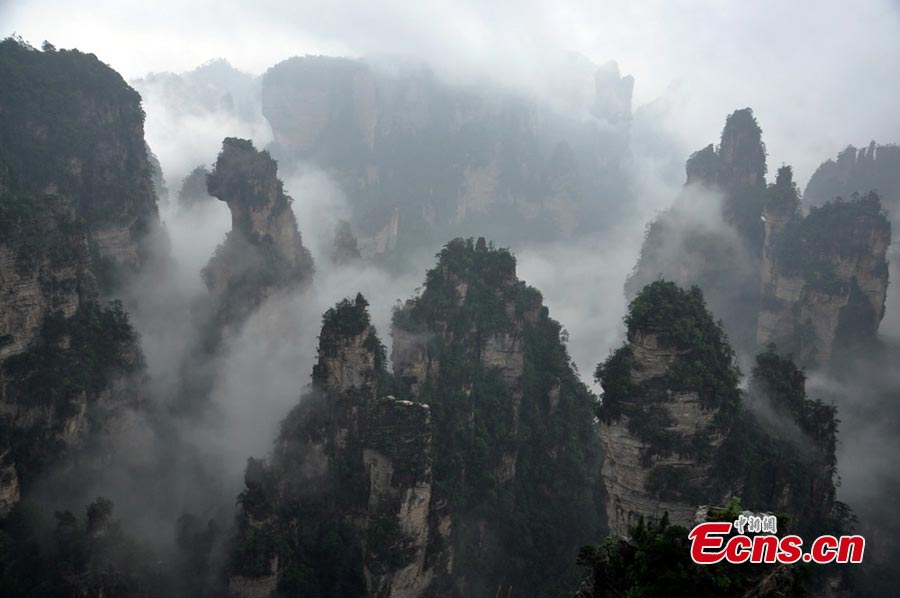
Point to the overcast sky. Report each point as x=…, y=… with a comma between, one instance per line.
x=819, y=74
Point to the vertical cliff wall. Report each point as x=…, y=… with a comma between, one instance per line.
x=70, y=126
x=76, y=206
x=264, y=251
x=514, y=446
x=670, y=399
x=825, y=275
x=678, y=433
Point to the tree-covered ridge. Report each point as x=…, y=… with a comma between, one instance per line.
x=872, y=168
x=72, y=122
x=485, y=419
x=470, y=286
x=837, y=229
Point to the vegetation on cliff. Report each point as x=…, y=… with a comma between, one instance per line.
x=705, y=361
x=66, y=555
x=521, y=457
x=71, y=120
x=655, y=562
x=783, y=453
x=876, y=167
x=758, y=434
x=71, y=362
x=295, y=508
x=809, y=246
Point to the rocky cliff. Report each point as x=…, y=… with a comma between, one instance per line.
x=478, y=476
x=342, y=506
x=513, y=438
x=69, y=367
x=825, y=275
x=677, y=433
x=263, y=251
x=71, y=127
x=670, y=397
x=810, y=284
x=76, y=205
x=419, y=158
x=346, y=247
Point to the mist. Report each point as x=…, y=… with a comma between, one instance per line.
x=755, y=55
x=818, y=75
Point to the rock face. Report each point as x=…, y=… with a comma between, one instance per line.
x=418, y=158
x=825, y=275
x=427, y=494
x=352, y=468
x=77, y=205
x=662, y=429
x=811, y=284
x=512, y=424
x=678, y=435
x=71, y=127
x=263, y=251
